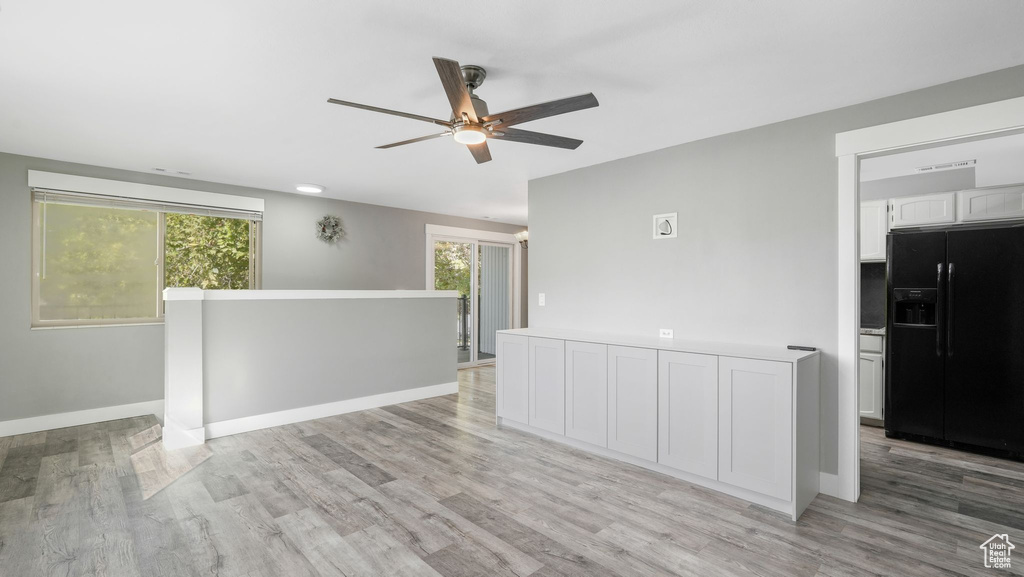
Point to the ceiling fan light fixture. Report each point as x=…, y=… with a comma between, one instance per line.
x=470, y=134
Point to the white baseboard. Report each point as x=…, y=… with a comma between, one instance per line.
x=177, y=437
x=86, y=417
x=256, y=422
x=828, y=484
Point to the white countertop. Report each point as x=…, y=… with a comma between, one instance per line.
x=765, y=352
x=878, y=332
x=195, y=294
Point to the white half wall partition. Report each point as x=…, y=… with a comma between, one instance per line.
x=239, y=361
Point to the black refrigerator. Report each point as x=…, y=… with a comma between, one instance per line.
x=955, y=334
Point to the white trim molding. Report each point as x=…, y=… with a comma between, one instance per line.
x=287, y=417
x=851, y=147
x=150, y=192
x=76, y=418
x=967, y=122
x=194, y=294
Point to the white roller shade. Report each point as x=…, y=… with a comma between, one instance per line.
x=84, y=199
x=81, y=190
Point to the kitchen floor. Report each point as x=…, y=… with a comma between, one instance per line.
x=432, y=487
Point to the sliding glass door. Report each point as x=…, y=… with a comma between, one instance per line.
x=481, y=272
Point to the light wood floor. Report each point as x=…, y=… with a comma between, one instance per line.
x=432, y=487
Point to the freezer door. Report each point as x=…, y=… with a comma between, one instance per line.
x=985, y=338
x=915, y=365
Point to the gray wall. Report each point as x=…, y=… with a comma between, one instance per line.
x=911, y=184
x=273, y=355
x=58, y=370
x=755, y=260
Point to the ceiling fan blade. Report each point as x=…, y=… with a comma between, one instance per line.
x=412, y=140
x=454, y=86
x=391, y=112
x=543, y=110
x=480, y=152
x=527, y=137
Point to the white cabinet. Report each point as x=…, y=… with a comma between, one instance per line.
x=633, y=401
x=512, y=397
x=738, y=419
x=871, y=381
x=688, y=412
x=755, y=420
x=928, y=209
x=586, y=392
x=874, y=224
x=991, y=203
x=547, y=384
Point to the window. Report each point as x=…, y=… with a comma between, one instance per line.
x=106, y=260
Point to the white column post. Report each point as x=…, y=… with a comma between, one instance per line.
x=183, y=368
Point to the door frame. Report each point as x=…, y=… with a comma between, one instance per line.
x=852, y=147
x=475, y=236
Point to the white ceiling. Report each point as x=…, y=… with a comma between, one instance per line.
x=1000, y=160
x=235, y=91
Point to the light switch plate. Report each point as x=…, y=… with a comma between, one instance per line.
x=665, y=333
x=540, y=299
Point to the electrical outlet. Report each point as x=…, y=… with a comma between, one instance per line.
x=665, y=333
x=540, y=299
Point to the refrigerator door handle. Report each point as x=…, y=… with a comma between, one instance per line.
x=949, y=310
x=938, y=313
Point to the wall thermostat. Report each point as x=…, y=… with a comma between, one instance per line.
x=665, y=225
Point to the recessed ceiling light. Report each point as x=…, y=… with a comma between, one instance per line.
x=310, y=188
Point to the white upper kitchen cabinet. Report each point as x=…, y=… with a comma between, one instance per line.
x=874, y=225
x=755, y=419
x=633, y=401
x=512, y=377
x=991, y=203
x=924, y=210
x=586, y=392
x=688, y=412
x=547, y=384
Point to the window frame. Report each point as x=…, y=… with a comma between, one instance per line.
x=255, y=273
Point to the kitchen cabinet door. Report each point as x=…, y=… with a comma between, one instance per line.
x=547, y=384
x=512, y=377
x=633, y=401
x=992, y=203
x=871, y=375
x=755, y=425
x=874, y=224
x=586, y=392
x=688, y=412
x=923, y=210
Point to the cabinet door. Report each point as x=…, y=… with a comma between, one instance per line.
x=586, y=392
x=633, y=401
x=871, y=376
x=512, y=377
x=688, y=412
x=994, y=203
x=547, y=384
x=755, y=418
x=874, y=225
x=923, y=210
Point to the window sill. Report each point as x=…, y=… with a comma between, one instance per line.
x=62, y=327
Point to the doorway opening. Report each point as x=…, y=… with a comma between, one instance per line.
x=860, y=154
x=483, y=268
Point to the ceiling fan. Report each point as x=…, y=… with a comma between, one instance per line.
x=471, y=123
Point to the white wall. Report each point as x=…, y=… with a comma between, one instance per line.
x=756, y=256
x=51, y=371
